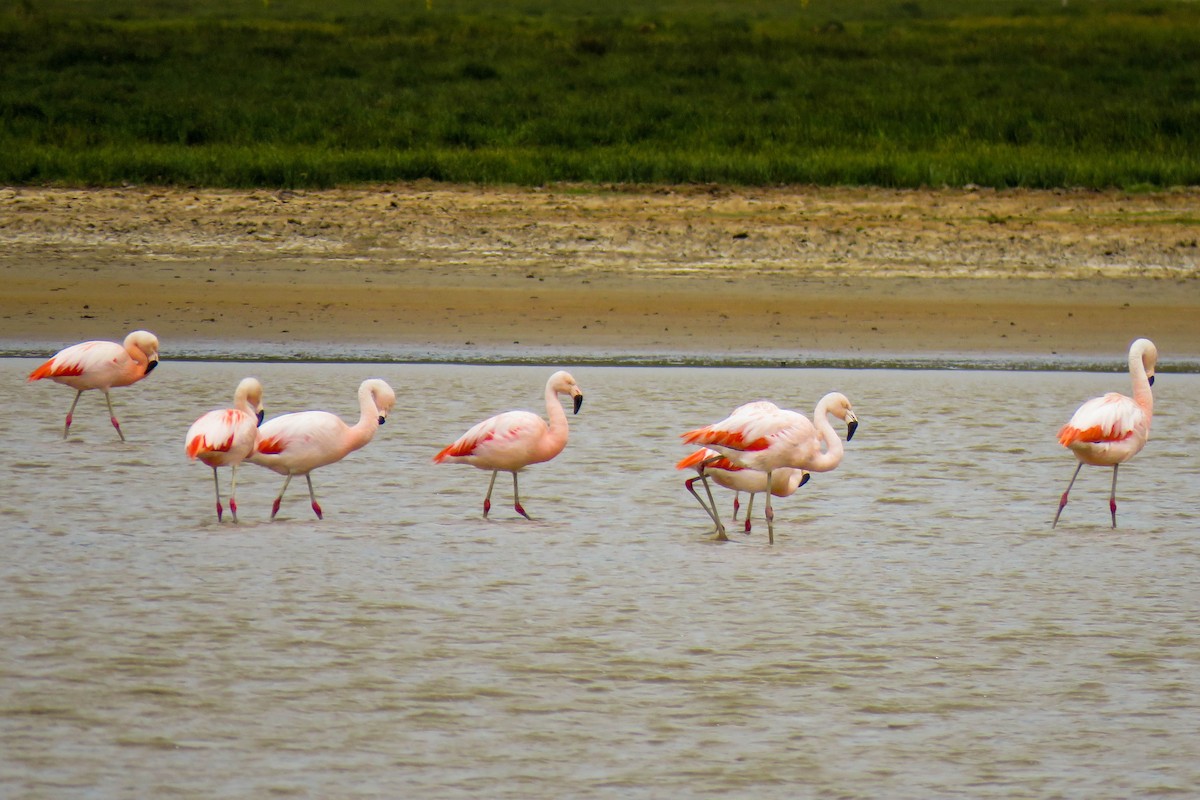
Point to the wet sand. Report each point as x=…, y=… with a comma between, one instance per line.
x=610, y=272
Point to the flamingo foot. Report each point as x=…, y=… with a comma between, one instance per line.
x=521, y=511
x=220, y=511
x=275, y=507
x=317, y=509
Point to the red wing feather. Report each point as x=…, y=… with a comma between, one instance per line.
x=734, y=440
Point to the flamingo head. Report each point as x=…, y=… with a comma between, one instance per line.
x=249, y=396
x=1144, y=350
x=381, y=395
x=837, y=404
x=147, y=343
x=562, y=383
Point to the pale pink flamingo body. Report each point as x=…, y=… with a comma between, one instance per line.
x=298, y=443
x=764, y=437
x=101, y=365
x=1108, y=431
x=226, y=437
x=711, y=464
x=511, y=441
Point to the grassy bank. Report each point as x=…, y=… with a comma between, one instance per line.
x=308, y=93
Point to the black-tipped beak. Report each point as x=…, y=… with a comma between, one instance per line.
x=150, y=366
x=1151, y=379
x=261, y=416
x=578, y=402
x=851, y=427
x=804, y=480
x=382, y=419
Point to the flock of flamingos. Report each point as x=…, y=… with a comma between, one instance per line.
x=758, y=448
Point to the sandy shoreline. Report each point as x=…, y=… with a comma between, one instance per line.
x=476, y=273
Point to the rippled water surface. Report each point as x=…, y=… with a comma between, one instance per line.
x=917, y=630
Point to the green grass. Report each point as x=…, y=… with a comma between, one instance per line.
x=309, y=94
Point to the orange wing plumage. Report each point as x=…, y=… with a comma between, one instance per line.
x=72, y=361
x=1111, y=418
x=720, y=462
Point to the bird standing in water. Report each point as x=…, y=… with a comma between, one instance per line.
x=1108, y=431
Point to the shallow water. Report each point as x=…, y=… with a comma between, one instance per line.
x=917, y=630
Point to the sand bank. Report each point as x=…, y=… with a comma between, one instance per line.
x=474, y=272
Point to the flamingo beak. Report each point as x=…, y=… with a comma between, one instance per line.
x=1151, y=379
x=805, y=479
x=578, y=402
x=261, y=416
x=382, y=419
x=150, y=366
x=851, y=426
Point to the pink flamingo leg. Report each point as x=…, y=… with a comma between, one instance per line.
x=770, y=513
x=112, y=416
x=487, y=500
x=719, y=529
x=749, y=511
x=311, y=496
x=517, y=499
x=1112, y=497
x=1062, y=503
x=232, y=493
x=71, y=413
x=217, y=485
x=737, y=504
x=279, y=497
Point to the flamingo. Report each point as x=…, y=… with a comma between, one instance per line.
x=515, y=439
x=298, y=443
x=1108, y=431
x=101, y=365
x=709, y=463
x=764, y=437
x=225, y=438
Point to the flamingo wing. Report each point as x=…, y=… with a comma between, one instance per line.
x=1111, y=418
x=227, y=431
x=746, y=429
x=300, y=442
x=78, y=359
x=497, y=438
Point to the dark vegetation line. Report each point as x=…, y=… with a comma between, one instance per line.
x=318, y=93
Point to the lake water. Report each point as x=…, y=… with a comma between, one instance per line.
x=916, y=631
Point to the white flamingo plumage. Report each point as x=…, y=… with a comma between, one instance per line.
x=226, y=437
x=1108, y=431
x=513, y=440
x=101, y=365
x=298, y=443
x=764, y=437
x=711, y=464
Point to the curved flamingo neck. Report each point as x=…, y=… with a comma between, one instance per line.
x=1142, y=395
x=368, y=419
x=555, y=438
x=833, y=443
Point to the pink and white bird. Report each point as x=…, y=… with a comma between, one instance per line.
x=711, y=464
x=226, y=437
x=764, y=437
x=1108, y=431
x=101, y=365
x=513, y=440
x=298, y=443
